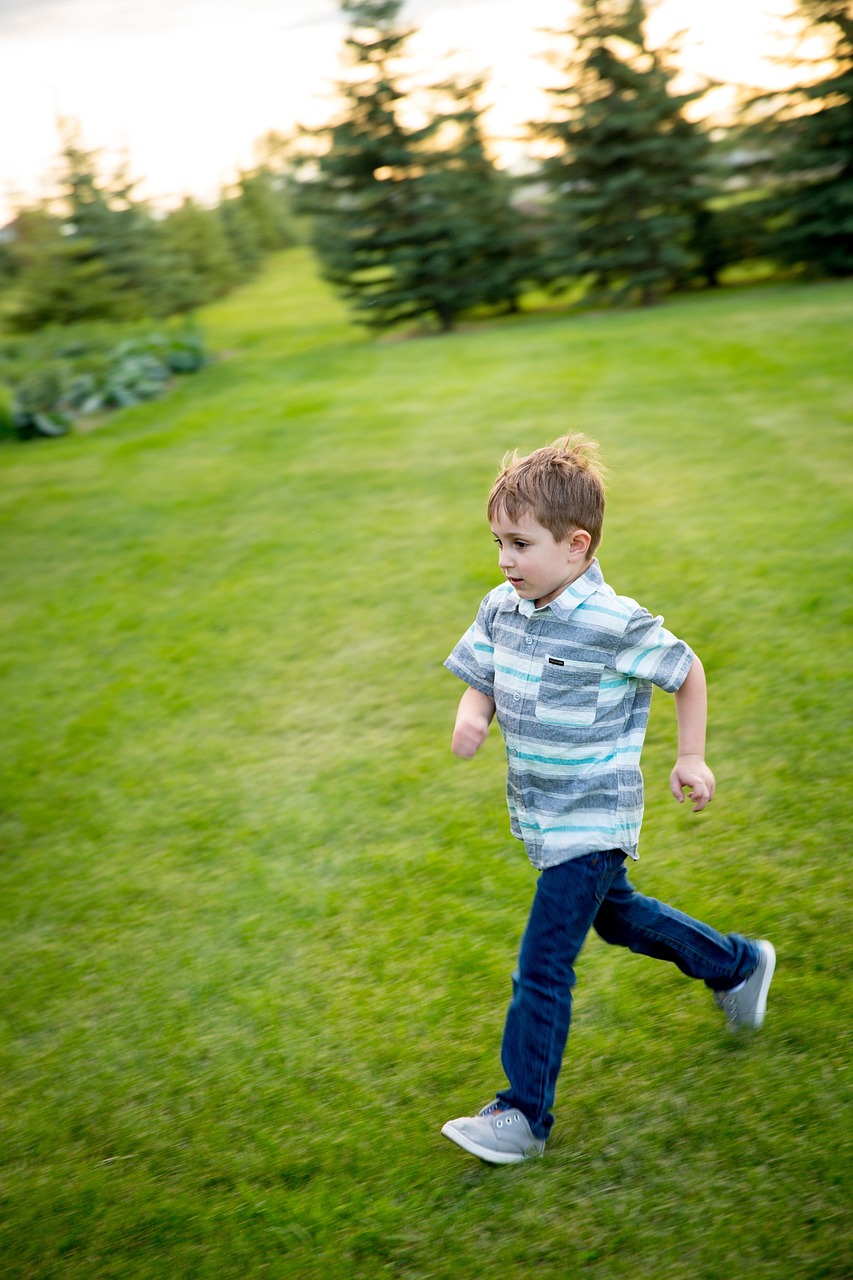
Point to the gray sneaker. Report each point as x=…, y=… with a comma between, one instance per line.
x=745, y=1007
x=497, y=1135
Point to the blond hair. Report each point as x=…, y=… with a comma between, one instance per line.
x=561, y=485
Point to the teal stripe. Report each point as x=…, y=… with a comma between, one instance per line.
x=632, y=670
x=568, y=764
x=518, y=673
x=579, y=830
x=622, y=614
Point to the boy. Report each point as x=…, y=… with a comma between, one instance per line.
x=568, y=668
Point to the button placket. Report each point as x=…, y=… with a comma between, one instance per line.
x=530, y=638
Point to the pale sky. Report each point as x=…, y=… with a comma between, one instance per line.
x=185, y=87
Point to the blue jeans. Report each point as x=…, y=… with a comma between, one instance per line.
x=593, y=891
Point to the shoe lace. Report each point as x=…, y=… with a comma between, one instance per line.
x=728, y=1003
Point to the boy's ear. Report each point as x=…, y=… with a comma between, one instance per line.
x=579, y=544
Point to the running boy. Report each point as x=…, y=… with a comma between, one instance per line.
x=567, y=666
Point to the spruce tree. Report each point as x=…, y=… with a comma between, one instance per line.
x=242, y=233
x=105, y=262
x=104, y=212
x=204, y=266
x=360, y=188
x=265, y=198
x=808, y=156
x=409, y=222
x=67, y=281
x=624, y=177
x=475, y=249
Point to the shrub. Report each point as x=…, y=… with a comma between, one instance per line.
x=39, y=402
x=7, y=411
x=60, y=375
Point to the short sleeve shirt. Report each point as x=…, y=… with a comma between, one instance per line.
x=572, y=685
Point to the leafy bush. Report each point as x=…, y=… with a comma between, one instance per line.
x=133, y=376
x=180, y=352
x=63, y=374
x=39, y=401
x=7, y=411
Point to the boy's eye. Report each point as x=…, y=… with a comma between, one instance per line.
x=521, y=545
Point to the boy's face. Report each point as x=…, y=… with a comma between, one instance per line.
x=536, y=565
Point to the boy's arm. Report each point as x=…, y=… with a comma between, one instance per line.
x=691, y=772
x=472, y=722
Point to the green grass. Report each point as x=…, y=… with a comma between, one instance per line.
x=258, y=924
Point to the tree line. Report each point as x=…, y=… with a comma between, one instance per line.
x=96, y=251
x=411, y=219
x=631, y=199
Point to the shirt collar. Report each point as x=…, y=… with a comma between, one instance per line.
x=566, y=603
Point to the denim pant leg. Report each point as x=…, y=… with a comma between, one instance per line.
x=627, y=918
x=565, y=904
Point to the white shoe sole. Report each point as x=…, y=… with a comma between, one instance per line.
x=484, y=1153
x=761, y=1004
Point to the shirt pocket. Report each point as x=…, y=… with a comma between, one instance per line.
x=568, y=692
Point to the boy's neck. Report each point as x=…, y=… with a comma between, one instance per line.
x=537, y=604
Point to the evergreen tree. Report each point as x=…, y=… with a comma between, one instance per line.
x=624, y=177
x=104, y=212
x=360, y=189
x=67, y=281
x=97, y=252
x=242, y=233
x=104, y=263
x=408, y=222
x=32, y=231
x=808, y=160
x=265, y=197
x=474, y=248
x=204, y=266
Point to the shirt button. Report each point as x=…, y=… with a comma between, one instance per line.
x=530, y=640
x=516, y=696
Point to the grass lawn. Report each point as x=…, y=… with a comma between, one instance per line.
x=258, y=924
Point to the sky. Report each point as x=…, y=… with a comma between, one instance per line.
x=184, y=88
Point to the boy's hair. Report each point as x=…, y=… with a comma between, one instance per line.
x=560, y=484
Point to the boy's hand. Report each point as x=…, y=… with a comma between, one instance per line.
x=469, y=735
x=693, y=775
x=472, y=723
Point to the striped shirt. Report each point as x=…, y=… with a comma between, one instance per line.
x=572, y=685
